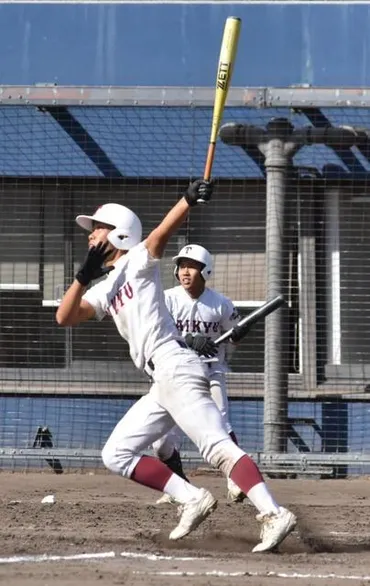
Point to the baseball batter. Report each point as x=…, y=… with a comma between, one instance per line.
x=201, y=314
x=132, y=295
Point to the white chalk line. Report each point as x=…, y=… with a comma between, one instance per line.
x=157, y=557
x=152, y=557
x=55, y=558
x=220, y=574
x=361, y=534
x=91, y=556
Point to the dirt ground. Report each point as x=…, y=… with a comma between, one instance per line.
x=99, y=513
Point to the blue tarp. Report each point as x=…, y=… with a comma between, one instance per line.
x=148, y=141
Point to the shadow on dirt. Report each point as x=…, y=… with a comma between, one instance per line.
x=302, y=540
x=315, y=543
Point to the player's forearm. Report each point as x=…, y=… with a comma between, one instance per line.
x=69, y=308
x=157, y=240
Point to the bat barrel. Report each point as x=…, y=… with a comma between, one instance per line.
x=255, y=316
x=223, y=79
x=267, y=308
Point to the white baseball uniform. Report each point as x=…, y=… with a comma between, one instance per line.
x=211, y=315
x=132, y=295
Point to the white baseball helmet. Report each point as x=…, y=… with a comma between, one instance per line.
x=127, y=226
x=198, y=253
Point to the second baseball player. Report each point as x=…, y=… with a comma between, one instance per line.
x=201, y=314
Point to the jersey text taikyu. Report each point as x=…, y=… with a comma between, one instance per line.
x=197, y=326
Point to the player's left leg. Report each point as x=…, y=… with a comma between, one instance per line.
x=217, y=383
x=167, y=449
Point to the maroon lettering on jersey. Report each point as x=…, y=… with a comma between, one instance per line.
x=119, y=300
x=197, y=326
x=207, y=326
x=113, y=306
x=128, y=290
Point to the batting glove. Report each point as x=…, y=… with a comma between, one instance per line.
x=199, y=191
x=92, y=267
x=202, y=345
x=238, y=333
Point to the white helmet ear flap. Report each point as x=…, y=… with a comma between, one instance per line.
x=119, y=239
x=206, y=272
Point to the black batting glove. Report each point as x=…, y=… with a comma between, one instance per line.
x=199, y=191
x=237, y=334
x=202, y=345
x=92, y=267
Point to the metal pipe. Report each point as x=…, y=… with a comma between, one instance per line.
x=278, y=158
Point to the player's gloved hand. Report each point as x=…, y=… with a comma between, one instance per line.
x=238, y=333
x=92, y=267
x=199, y=190
x=201, y=344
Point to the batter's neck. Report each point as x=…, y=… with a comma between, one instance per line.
x=196, y=292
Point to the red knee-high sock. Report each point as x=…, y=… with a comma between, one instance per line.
x=233, y=437
x=246, y=474
x=151, y=472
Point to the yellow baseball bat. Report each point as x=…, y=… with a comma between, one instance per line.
x=224, y=72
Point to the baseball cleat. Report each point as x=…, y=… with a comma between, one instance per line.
x=275, y=528
x=234, y=493
x=193, y=513
x=166, y=499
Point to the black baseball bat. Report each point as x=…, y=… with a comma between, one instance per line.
x=255, y=316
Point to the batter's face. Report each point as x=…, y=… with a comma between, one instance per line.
x=99, y=234
x=189, y=274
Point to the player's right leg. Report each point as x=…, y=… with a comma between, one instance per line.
x=143, y=424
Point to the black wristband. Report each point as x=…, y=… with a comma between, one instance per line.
x=82, y=278
x=190, y=200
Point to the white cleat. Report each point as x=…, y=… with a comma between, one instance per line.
x=193, y=513
x=166, y=499
x=275, y=528
x=234, y=493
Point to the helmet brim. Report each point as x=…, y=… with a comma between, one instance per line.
x=85, y=222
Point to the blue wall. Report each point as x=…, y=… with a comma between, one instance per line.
x=87, y=423
x=324, y=45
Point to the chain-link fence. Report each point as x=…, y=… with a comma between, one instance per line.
x=289, y=216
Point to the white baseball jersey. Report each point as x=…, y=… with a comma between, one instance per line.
x=211, y=314
x=132, y=295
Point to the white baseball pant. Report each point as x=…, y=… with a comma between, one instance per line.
x=164, y=447
x=179, y=395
